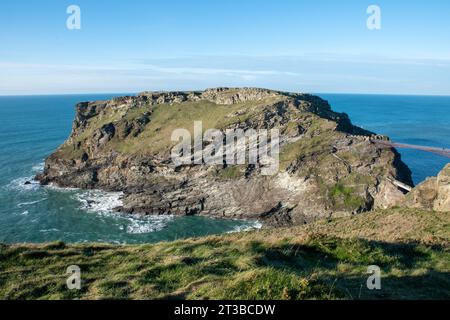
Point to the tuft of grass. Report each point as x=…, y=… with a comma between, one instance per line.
x=343, y=197
x=231, y=173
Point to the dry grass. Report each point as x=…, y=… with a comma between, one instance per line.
x=324, y=260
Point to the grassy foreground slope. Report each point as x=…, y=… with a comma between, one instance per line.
x=324, y=260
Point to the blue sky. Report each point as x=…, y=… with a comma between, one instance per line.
x=310, y=46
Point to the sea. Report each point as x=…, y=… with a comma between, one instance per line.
x=32, y=127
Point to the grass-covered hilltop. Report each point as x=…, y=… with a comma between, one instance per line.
x=327, y=259
x=333, y=209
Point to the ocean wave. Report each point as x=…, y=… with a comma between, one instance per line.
x=49, y=230
x=54, y=187
x=99, y=201
x=147, y=224
x=247, y=227
x=27, y=183
x=30, y=203
x=38, y=168
x=104, y=203
x=23, y=184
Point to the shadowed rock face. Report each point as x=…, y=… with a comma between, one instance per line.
x=328, y=167
x=432, y=194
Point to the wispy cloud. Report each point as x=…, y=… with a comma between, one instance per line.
x=314, y=72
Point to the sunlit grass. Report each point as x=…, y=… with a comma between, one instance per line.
x=325, y=260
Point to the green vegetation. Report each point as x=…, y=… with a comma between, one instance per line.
x=165, y=118
x=318, y=139
x=343, y=197
x=231, y=172
x=323, y=260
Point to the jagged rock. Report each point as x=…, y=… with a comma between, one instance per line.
x=442, y=202
x=432, y=194
x=328, y=167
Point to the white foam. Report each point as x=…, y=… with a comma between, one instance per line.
x=99, y=201
x=24, y=184
x=147, y=224
x=249, y=227
x=49, y=230
x=38, y=168
x=27, y=183
x=30, y=203
x=104, y=203
x=53, y=186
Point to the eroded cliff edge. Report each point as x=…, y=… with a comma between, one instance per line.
x=431, y=194
x=328, y=167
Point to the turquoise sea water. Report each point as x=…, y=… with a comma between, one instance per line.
x=32, y=127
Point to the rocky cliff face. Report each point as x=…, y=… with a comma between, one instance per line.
x=328, y=167
x=432, y=194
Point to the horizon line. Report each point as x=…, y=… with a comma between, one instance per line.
x=281, y=90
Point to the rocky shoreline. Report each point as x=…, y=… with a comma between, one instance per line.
x=328, y=167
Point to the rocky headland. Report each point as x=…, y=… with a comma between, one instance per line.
x=328, y=167
x=432, y=194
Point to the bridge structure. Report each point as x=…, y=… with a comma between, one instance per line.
x=389, y=144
